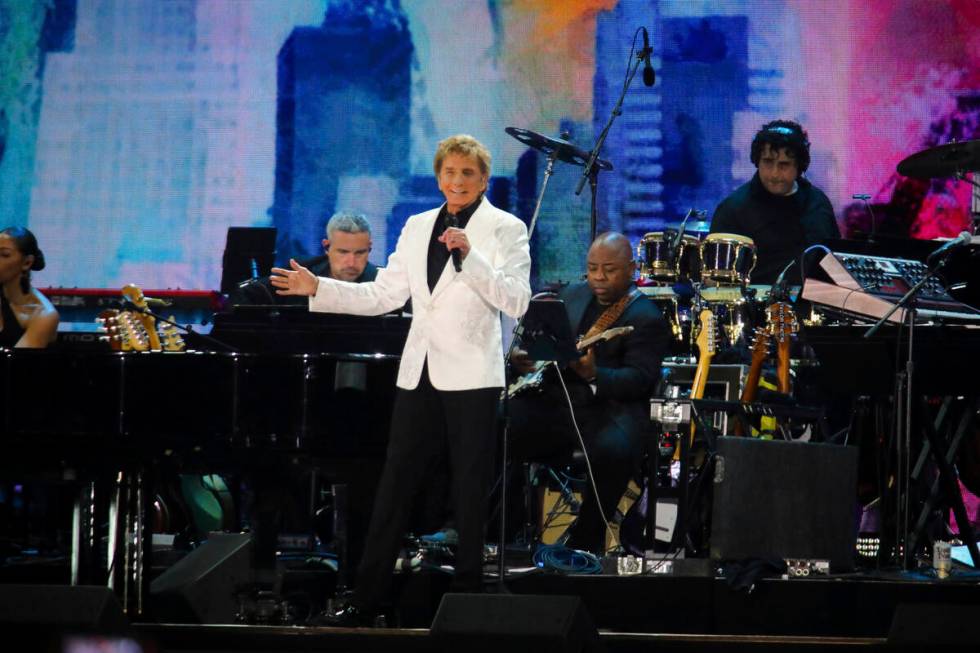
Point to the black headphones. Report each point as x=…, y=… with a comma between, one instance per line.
x=780, y=135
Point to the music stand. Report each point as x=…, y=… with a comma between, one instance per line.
x=545, y=332
x=249, y=254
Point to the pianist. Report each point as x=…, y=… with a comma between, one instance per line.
x=27, y=318
x=462, y=264
x=345, y=257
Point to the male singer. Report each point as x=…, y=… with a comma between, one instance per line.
x=462, y=265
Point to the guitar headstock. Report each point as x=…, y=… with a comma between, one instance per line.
x=781, y=321
x=124, y=332
x=760, y=344
x=108, y=322
x=707, y=336
x=170, y=339
x=135, y=295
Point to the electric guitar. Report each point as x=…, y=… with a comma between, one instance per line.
x=781, y=324
x=533, y=380
x=706, y=350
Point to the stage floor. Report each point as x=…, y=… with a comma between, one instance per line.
x=653, y=613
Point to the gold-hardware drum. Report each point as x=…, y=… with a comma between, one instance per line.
x=654, y=254
x=727, y=259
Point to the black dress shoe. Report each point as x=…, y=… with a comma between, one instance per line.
x=348, y=617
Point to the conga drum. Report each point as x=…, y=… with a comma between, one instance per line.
x=727, y=259
x=655, y=258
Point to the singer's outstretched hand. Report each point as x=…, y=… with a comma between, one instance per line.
x=455, y=238
x=298, y=281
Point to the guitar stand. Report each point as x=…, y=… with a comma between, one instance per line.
x=742, y=411
x=687, y=497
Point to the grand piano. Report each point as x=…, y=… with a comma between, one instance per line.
x=264, y=393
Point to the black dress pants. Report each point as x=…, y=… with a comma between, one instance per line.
x=541, y=430
x=426, y=424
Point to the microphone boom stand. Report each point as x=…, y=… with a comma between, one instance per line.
x=187, y=330
x=505, y=414
x=591, y=172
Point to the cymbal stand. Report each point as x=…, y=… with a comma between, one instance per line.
x=548, y=169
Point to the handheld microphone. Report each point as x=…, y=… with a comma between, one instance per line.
x=965, y=238
x=649, y=76
x=451, y=221
x=861, y=196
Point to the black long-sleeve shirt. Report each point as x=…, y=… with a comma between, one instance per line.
x=781, y=226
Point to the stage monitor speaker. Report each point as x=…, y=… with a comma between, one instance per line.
x=203, y=586
x=784, y=500
x=61, y=609
x=488, y=623
x=934, y=624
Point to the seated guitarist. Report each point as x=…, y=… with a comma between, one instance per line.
x=610, y=385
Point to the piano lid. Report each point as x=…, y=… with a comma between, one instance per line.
x=295, y=329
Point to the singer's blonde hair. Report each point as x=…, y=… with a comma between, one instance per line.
x=467, y=146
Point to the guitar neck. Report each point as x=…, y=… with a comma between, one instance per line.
x=782, y=366
x=759, y=351
x=751, y=388
x=701, y=377
x=150, y=325
x=608, y=334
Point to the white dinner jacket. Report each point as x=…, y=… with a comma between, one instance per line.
x=456, y=325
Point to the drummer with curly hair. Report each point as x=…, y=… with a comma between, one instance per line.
x=779, y=209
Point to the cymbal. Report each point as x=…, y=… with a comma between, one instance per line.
x=700, y=226
x=564, y=151
x=942, y=160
